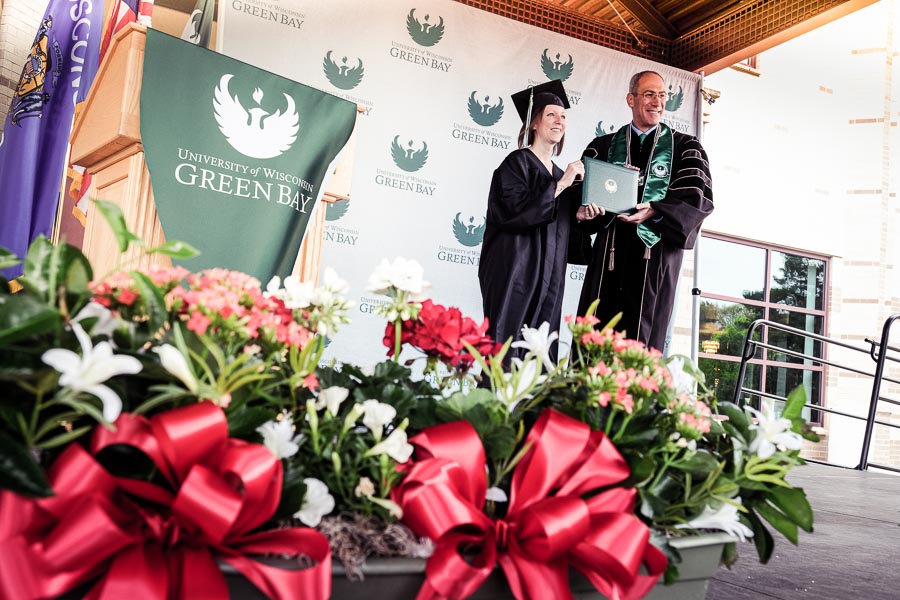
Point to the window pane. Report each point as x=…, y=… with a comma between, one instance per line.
x=730, y=269
x=723, y=326
x=781, y=381
x=722, y=375
x=792, y=341
x=798, y=281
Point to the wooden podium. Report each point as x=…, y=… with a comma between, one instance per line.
x=106, y=141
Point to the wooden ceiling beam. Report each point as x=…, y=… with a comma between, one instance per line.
x=651, y=18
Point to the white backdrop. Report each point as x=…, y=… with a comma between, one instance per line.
x=414, y=67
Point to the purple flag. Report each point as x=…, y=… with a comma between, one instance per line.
x=58, y=73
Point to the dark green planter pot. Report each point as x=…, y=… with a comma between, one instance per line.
x=401, y=578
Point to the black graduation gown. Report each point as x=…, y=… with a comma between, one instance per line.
x=643, y=289
x=523, y=257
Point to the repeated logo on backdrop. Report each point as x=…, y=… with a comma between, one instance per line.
x=423, y=32
x=673, y=106
x=269, y=12
x=426, y=31
x=410, y=156
x=346, y=73
x=342, y=75
x=484, y=110
x=602, y=129
x=468, y=231
x=559, y=65
x=336, y=233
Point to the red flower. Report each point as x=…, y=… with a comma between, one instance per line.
x=439, y=332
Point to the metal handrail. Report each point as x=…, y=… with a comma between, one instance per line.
x=878, y=351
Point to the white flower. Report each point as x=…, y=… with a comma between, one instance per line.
x=402, y=275
x=316, y=503
x=376, y=415
x=394, y=445
x=368, y=370
x=278, y=436
x=333, y=284
x=772, y=434
x=682, y=381
x=87, y=372
x=538, y=342
x=521, y=379
x=724, y=519
x=496, y=494
x=332, y=398
x=173, y=361
x=365, y=487
x=106, y=324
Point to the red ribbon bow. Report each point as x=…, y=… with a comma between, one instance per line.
x=548, y=526
x=148, y=540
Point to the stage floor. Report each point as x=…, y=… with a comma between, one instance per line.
x=853, y=552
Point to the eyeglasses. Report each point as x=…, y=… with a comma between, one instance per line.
x=648, y=96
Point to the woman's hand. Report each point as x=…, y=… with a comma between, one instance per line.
x=574, y=172
x=591, y=211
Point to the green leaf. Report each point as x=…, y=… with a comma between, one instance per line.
x=19, y=472
x=761, y=537
x=153, y=300
x=778, y=520
x=23, y=316
x=115, y=218
x=737, y=417
x=244, y=422
x=794, y=504
x=65, y=438
x=36, y=269
x=292, y=490
x=700, y=463
x=175, y=249
x=794, y=404
x=49, y=268
x=8, y=259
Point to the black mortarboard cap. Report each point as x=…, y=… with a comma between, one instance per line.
x=550, y=92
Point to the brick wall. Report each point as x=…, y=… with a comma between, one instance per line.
x=19, y=20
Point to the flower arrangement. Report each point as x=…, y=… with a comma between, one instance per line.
x=201, y=403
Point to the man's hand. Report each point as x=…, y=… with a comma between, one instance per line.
x=591, y=211
x=643, y=211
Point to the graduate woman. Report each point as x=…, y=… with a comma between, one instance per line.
x=523, y=257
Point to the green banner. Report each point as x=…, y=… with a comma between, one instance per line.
x=236, y=154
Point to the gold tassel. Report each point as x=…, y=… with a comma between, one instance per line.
x=612, y=251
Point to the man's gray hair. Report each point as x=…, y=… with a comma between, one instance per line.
x=636, y=78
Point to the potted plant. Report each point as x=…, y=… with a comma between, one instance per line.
x=187, y=423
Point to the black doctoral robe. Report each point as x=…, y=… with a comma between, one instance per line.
x=523, y=257
x=619, y=272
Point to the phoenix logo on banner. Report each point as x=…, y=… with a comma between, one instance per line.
x=675, y=99
x=254, y=132
x=600, y=131
x=342, y=76
x=485, y=114
x=424, y=33
x=556, y=68
x=409, y=159
x=468, y=234
x=335, y=210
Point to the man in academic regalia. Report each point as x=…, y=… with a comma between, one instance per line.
x=636, y=258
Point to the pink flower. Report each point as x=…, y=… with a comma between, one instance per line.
x=127, y=297
x=311, y=382
x=198, y=322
